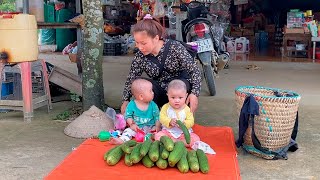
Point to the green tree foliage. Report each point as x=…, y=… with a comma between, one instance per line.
x=7, y=5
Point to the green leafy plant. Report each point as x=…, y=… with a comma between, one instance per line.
x=7, y=6
x=74, y=97
x=63, y=116
x=73, y=112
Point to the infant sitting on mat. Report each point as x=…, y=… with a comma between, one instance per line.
x=143, y=113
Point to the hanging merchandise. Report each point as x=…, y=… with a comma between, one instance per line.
x=158, y=10
x=221, y=9
x=171, y=15
x=145, y=8
x=59, y=5
x=313, y=28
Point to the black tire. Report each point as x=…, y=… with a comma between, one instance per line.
x=209, y=77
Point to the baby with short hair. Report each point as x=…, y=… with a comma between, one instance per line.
x=141, y=113
x=176, y=110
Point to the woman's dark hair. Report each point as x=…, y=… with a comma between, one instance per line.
x=151, y=26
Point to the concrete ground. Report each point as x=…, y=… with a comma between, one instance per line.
x=31, y=151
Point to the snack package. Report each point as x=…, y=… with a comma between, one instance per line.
x=313, y=28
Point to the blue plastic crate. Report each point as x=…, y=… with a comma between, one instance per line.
x=7, y=89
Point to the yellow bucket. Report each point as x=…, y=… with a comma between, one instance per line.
x=305, y=14
x=309, y=12
x=18, y=37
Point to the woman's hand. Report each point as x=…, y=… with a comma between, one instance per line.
x=124, y=106
x=192, y=100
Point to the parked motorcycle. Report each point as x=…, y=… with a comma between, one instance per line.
x=198, y=28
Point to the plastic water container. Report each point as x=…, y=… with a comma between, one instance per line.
x=240, y=45
x=18, y=37
x=231, y=46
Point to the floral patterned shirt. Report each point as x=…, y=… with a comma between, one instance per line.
x=178, y=59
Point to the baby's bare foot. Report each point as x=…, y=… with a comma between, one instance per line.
x=116, y=141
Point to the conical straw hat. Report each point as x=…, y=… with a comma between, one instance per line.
x=89, y=124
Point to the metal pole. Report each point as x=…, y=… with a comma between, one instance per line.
x=78, y=6
x=25, y=6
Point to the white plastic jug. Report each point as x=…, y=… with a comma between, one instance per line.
x=241, y=45
x=230, y=46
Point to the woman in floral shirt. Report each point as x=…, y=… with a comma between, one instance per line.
x=178, y=64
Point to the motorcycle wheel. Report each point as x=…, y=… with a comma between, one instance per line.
x=209, y=77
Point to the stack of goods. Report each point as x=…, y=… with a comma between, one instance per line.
x=301, y=23
x=117, y=45
x=278, y=36
x=297, y=34
x=249, y=34
x=271, y=29
x=251, y=25
x=254, y=23
x=311, y=25
x=220, y=8
x=236, y=31
x=294, y=19
x=242, y=34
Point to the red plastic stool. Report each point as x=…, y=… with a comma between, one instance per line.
x=27, y=103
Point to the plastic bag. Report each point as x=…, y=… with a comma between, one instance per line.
x=158, y=9
x=118, y=119
x=203, y=146
x=111, y=113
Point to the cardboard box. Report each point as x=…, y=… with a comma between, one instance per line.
x=251, y=39
x=236, y=33
x=73, y=57
x=270, y=28
x=293, y=30
x=249, y=25
x=258, y=18
x=271, y=36
x=248, y=32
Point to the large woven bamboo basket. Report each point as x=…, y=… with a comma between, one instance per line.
x=277, y=114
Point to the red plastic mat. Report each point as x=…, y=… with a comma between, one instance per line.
x=86, y=162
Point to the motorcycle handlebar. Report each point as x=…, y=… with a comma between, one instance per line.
x=181, y=7
x=185, y=6
x=175, y=7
